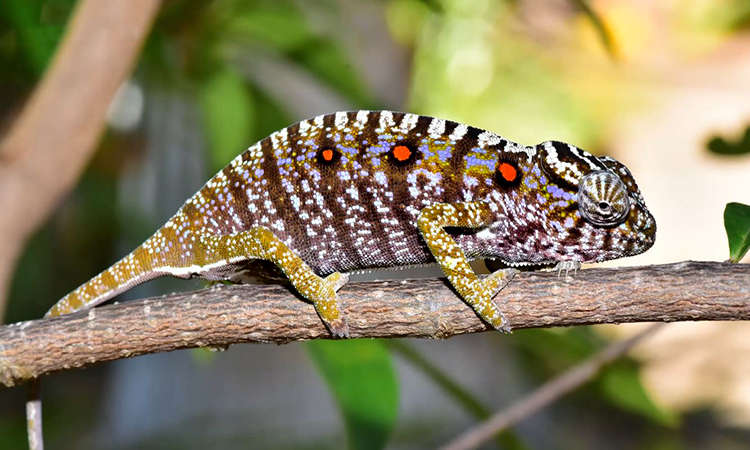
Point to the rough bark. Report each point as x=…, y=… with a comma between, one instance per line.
x=425, y=308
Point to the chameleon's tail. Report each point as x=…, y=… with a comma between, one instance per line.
x=132, y=270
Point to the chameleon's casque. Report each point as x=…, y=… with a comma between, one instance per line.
x=360, y=189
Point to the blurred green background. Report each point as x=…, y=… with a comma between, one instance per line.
x=216, y=76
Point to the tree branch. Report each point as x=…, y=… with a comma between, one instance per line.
x=426, y=308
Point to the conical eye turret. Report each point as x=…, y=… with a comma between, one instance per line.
x=603, y=198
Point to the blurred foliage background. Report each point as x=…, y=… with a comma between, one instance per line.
x=663, y=86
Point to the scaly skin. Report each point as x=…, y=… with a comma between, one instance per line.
x=363, y=190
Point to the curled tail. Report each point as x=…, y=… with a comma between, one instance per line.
x=132, y=270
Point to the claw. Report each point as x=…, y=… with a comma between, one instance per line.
x=339, y=327
x=567, y=266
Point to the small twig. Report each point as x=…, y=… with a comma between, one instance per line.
x=547, y=393
x=425, y=308
x=34, y=415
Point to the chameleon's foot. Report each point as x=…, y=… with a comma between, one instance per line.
x=502, y=325
x=498, y=279
x=337, y=280
x=327, y=304
x=495, y=282
x=338, y=327
x=489, y=310
x=482, y=297
x=567, y=266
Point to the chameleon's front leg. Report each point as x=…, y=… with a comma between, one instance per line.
x=477, y=292
x=320, y=291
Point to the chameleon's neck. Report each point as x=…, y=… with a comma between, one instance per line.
x=135, y=268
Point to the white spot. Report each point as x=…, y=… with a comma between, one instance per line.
x=304, y=127
x=408, y=123
x=488, y=139
x=458, y=133
x=386, y=121
x=362, y=117
x=341, y=120
x=436, y=128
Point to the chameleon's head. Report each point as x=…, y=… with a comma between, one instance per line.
x=593, y=206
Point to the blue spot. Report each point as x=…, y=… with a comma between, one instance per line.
x=476, y=162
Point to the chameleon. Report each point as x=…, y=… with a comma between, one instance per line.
x=359, y=190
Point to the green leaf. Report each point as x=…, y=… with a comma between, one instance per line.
x=37, y=41
x=228, y=115
x=737, y=224
x=361, y=377
x=621, y=384
x=281, y=27
x=721, y=146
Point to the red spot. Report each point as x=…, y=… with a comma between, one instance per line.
x=401, y=153
x=507, y=171
x=328, y=155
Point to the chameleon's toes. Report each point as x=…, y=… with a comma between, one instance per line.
x=501, y=323
x=339, y=327
x=337, y=280
x=567, y=266
x=498, y=279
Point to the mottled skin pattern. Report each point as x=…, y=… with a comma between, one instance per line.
x=360, y=190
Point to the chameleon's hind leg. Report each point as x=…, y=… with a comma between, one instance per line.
x=260, y=242
x=477, y=292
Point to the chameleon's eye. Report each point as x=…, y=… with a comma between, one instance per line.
x=603, y=198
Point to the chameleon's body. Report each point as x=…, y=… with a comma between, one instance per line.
x=359, y=190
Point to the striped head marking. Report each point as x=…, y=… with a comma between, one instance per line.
x=591, y=207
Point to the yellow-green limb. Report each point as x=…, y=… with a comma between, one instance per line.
x=478, y=293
